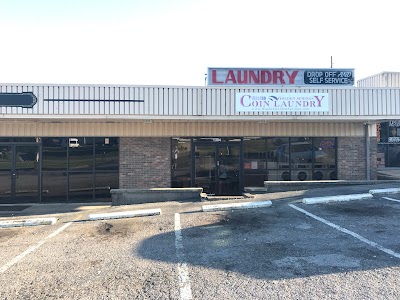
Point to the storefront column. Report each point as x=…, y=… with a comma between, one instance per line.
x=145, y=163
x=351, y=160
x=368, y=152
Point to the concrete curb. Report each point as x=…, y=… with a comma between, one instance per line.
x=336, y=198
x=125, y=214
x=232, y=206
x=385, y=191
x=27, y=222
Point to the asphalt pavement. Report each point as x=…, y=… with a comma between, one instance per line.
x=283, y=249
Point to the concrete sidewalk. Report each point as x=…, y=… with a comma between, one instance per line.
x=45, y=209
x=56, y=209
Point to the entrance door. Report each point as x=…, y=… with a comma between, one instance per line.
x=217, y=169
x=19, y=174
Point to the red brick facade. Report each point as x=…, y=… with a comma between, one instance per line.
x=144, y=162
x=351, y=160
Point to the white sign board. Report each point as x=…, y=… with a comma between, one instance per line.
x=271, y=76
x=282, y=102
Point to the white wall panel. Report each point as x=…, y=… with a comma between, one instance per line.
x=384, y=79
x=190, y=102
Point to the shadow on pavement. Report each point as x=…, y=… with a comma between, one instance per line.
x=274, y=243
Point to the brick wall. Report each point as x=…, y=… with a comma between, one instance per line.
x=144, y=162
x=374, y=158
x=352, y=158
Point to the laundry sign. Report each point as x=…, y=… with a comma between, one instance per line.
x=272, y=76
x=282, y=102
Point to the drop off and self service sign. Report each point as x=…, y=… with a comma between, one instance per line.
x=282, y=102
x=242, y=76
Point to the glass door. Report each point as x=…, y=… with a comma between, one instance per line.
x=26, y=174
x=6, y=163
x=205, y=163
x=19, y=174
x=228, y=175
x=217, y=169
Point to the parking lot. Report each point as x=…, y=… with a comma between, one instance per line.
x=290, y=250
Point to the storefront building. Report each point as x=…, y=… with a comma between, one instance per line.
x=388, y=131
x=76, y=142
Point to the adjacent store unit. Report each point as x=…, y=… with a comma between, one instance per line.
x=388, y=131
x=76, y=142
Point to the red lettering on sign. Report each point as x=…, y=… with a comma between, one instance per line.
x=242, y=77
x=214, y=77
x=230, y=77
x=278, y=76
x=254, y=77
x=265, y=76
x=292, y=76
x=251, y=76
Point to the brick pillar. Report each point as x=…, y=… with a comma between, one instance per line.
x=374, y=159
x=351, y=153
x=144, y=162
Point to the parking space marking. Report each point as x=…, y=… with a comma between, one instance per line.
x=391, y=199
x=32, y=248
x=344, y=230
x=184, y=281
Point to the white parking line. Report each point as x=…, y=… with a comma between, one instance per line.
x=391, y=199
x=353, y=234
x=32, y=248
x=184, y=281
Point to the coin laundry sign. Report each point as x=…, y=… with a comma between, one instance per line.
x=282, y=102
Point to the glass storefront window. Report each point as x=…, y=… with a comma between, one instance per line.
x=255, y=155
x=217, y=139
x=54, y=154
x=80, y=186
x=106, y=167
x=300, y=158
x=79, y=169
x=181, y=162
x=107, y=155
x=104, y=182
x=19, y=140
x=278, y=159
x=393, y=155
x=388, y=135
x=394, y=131
x=81, y=153
x=54, y=186
x=324, y=159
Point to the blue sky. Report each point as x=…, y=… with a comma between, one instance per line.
x=155, y=42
